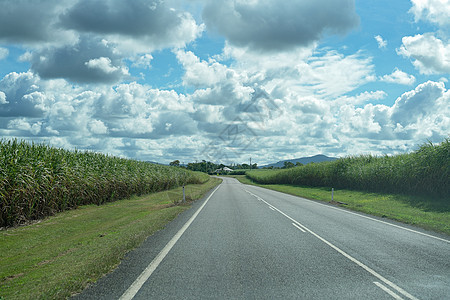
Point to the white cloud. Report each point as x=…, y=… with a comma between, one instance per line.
x=289, y=79
x=97, y=127
x=430, y=54
x=417, y=115
x=139, y=125
x=302, y=71
x=4, y=52
x=270, y=25
x=335, y=74
x=399, y=77
x=34, y=23
x=419, y=103
x=3, y=98
x=135, y=120
x=22, y=96
x=142, y=61
x=135, y=26
x=141, y=27
x=435, y=11
x=23, y=125
x=89, y=60
x=104, y=64
x=381, y=43
x=61, y=36
x=201, y=73
x=361, y=98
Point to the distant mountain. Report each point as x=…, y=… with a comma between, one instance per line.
x=303, y=160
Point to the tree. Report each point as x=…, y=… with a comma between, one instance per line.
x=298, y=164
x=175, y=163
x=288, y=165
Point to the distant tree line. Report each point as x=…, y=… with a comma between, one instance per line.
x=210, y=167
x=286, y=165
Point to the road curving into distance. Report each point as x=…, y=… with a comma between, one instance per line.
x=247, y=242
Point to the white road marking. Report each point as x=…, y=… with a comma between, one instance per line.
x=387, y=223
x=298, y=227
x=271, y=208
x=387, y=290
x=368, y=269
x=137, y=284
x=373, y=219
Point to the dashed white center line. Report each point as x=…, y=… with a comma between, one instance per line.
x=351, y=258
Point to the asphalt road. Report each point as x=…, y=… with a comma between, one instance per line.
x=246, y=242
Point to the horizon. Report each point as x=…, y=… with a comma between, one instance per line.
x=226, y=80
x=229, y=164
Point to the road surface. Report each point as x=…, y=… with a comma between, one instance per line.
x=246, y=242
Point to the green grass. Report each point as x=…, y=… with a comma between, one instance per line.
x=37, y=180
x=415, y=210
x=61, y=255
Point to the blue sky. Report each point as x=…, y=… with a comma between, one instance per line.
x=226, y=80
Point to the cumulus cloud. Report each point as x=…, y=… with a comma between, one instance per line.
x=269, y=96
x=134, y=110
x=90, y=60
x=48, y=108
x=201, y=73
x=303, y=72
x=4, y=52
x=138, y=121
x=137, y=24
x=419, y=103
x=134, y=17
x=20, y=96
x=65, y=39
x=29, y=21
x=104, y=64
x=272, y=90
x=3, y=98
x=430, y=54
x=381, y=43
x=24, y=126
x=151, y=24
x=420, y=114
x=435, y=11
x=142, y=61
x=399, y=77
x=97, y=127
x=269, y=25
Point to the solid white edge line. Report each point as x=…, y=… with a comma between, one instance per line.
x=384, y=288
x=384, y=222
x=298, y=227
x=368, y=269
x=143, y=277
x=370, y=218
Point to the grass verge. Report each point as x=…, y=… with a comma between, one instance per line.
x=61, y=255
x=414, y=210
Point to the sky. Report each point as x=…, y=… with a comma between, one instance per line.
x=226, y=81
